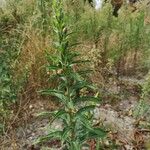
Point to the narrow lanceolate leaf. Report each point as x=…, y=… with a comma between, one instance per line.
x=76, y=145
x=54, y=114
x=85, y=122
x=76, y=76
x=83, y=84
x=72, y=56
x=93, y=132
x=75, y=44
x=59, y=114
x=68, y=34
x=50, y=136
x=66, y=133
x=93, y=135
x=84, y=110
x=45, y=114
x=59, y=94
x=96, y=133
x=86, y=98
x=52, y=58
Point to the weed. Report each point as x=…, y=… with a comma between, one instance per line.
x=74, y=113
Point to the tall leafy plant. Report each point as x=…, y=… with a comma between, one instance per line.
x=75, y=111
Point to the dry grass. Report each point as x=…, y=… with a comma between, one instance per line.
x=32, y=59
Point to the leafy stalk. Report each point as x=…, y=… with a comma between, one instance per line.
x=77, y=123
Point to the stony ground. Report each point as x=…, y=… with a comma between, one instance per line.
x=118, y=117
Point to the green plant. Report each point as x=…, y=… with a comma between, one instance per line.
x=43, y=20
x=10, y=86
x=75, y=108
x=7, y=93
x=142, y=108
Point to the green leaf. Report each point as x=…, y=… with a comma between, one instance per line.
x=68, y=34
x=75, y=44
x=55, y=77
x=75, y=76
x=51, y=57
x=72, y=56
x=45, y=114
x=84, y=110
x=86, y=98
x=97, y=133
x=93, y=134
x=84, y=120
x=75, y=145
x=59, y=94
x=50, y=136
x=59, y=114
x=66, y=133
x=82, y=84
x=54, y=114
